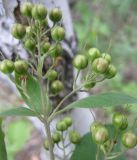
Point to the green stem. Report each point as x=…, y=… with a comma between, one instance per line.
x=63, y=145
x=47, y=128
x=75, y=80
x=60, y=104
x=97, y=154
x=47, y=125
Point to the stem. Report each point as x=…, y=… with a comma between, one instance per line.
x=97, y=155
x=47, y=128
x=75, y=80
x=63, y=145
x=45, y=121
x=60, y=104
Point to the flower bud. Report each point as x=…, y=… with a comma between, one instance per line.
x=57, y=86
x=39, y=12
x=68, y=121
x=52, y=75
x=55, y=15
x=106, y=57
x=30, y=45
x=89, y=85
x=26, y=9
x=55, y=50
x=58, y=33
x=18, y=31
x=74, y=137
x=45, y=47
x=7, y=66
x=21, y=67
x=100, y=65
x=111, y=72
x=119, y=120
x=61, y=126
x=101, y=135
x=129, y=140
x=80, y=62
x=93, y=53
x=56, y=137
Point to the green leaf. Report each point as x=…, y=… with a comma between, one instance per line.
x=87, y=148
x=20, y=111
x=3, y=153
x=18, y=133
x=103, y=100
x=30, y=92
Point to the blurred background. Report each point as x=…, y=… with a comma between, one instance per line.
x=109, y=25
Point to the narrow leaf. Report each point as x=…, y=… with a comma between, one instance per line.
x=103, y=100
x=3, y=153
x=31, y=93
x=20, y=111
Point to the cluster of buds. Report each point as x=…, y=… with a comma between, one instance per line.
x=58, y=137
x=101, y=135
x=100, y=65
x=40, y=41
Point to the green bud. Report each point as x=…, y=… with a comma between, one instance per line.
x=68, y=121
x=74, y=137
x=55, y=50
x=119, y=120
x=101, y=135
x=39, y=12
x=7, y=66
x=61, y=126
x=56, y=137
x=89, y=85
x=57, y=86
x=21, y=67
x=111, y=72
x=93, y=53
x=80, y=62
x=129, y=140
x=100, y=65
x=58, y=33
x=106, y=57
x=26, y=9
x=52, y=75
x=45, y=47
x=18, y=31
x=55, y=15
x=30, y=45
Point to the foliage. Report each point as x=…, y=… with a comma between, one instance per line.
x=38, y=85
x=3, y=152
x=103, y=100
x=81, y=152
x=17, y=134
x=110, y=25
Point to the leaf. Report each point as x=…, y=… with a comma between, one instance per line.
x=20, y=111
x=103, y=100
x=3, y=153
x=31, y=92
x=87, y=148
x=18, y=133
